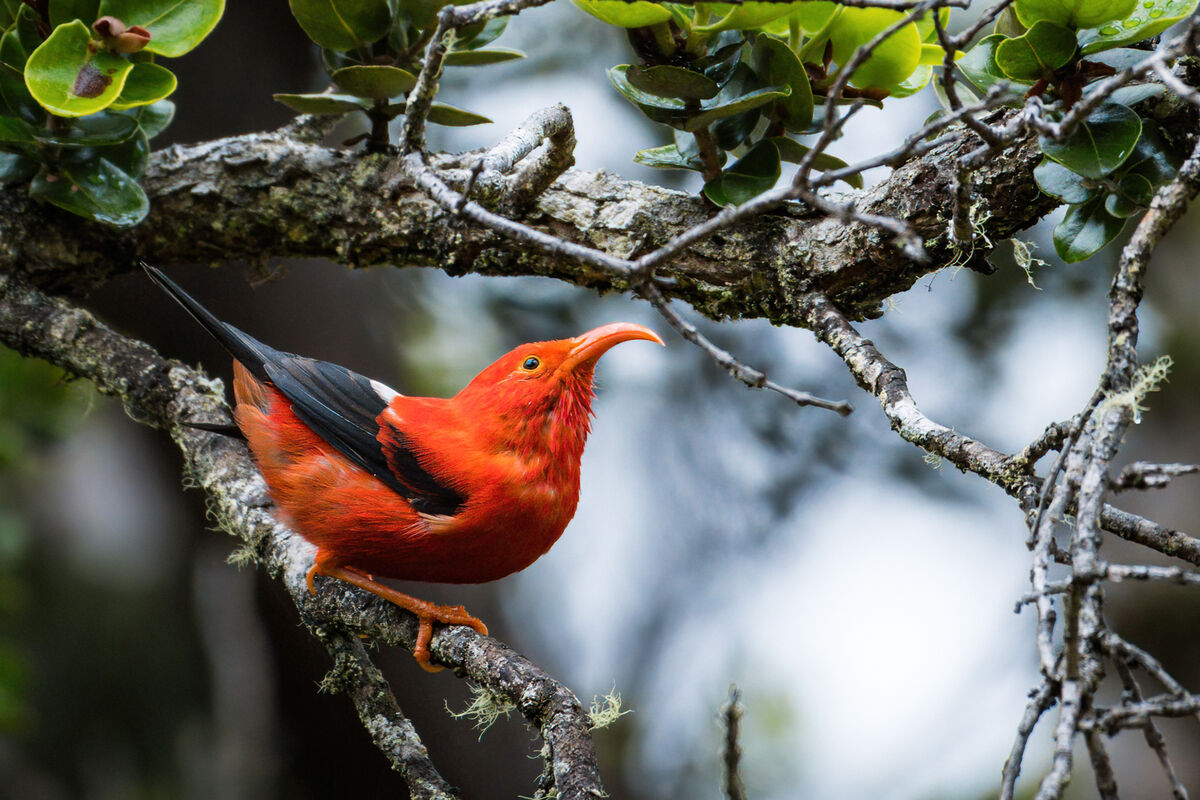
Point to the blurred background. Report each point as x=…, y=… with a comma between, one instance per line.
x=859, y=595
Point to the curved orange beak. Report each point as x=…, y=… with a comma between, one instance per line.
x=588, y=347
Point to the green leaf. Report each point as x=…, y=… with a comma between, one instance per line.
x=13, y=91
x=97, y=130
x=1100, y=144
x=793, y=152
x=775, y=62
x=619, y=76
x=1072, y=13
x=479, y=34
x=343, y=24
x=966, y=96
x=67, y=10
x=95, y=190
x=16, y=167
x=8, y=11
x=323, y=103
x=721, y=107
x=17, y=131
x=154, y=118
x=1084, y=230
x=720, y=63
x=625, y=15
x=933, y=54
x=1137, y=188
x=748, y=177
x=28, y=28
x=914, y=83
x=480, y=58
x=1042, y=49
x=442, y=114
x=669, y=81
x=68, y=79
x=1152, y=158
x=815, y=16
x=374, y=82
x=732, y=132
x=670, y=157
x=979, y=63
x=1120, y=58
x=928, y=30
x=147, y=83
x=421, y=13
x=744, y=16
x=980, y=67
x=1134, y=195
x=892, y=62
x=12, y=51
x=1148, y=18
x=176, y=26
x=1056, y=180
x=130, y=156
x=1136, y=93
x=676, y=112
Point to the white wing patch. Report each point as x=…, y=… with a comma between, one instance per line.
x=386, y=392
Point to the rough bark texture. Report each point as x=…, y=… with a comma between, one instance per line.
x=268, y=195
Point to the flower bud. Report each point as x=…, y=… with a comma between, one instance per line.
x=132, y=40
x=119, y=38
x=108, y=27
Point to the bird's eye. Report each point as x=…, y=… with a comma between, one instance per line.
x=531, y=363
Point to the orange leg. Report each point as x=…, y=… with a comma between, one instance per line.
x=427, y=612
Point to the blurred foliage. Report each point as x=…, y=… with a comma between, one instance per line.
x=36, y=407
x=81, y=95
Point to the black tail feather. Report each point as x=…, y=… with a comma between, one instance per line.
x=245, y=348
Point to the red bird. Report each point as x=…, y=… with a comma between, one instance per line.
x=460, y=490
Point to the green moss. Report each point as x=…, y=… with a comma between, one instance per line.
x=484, y=709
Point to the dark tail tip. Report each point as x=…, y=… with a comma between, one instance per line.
x=244, y=348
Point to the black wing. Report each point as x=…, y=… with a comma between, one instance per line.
x=340, y=406
x=427, y=494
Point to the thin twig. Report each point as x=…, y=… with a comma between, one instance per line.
x=1041, y=700
x=1143, y=475
x=1153, y=736
x=1120, y=649
x=1052, y=438
x=754, y=378
x=1106, y=779
x=731, y=715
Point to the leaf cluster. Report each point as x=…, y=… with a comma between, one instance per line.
x=746, y=80
x=373, y=50
x=82, y=94
x=1109, y=167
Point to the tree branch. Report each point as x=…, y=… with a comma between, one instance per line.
x=260, y=196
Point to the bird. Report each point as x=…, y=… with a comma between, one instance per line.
x=465, y=489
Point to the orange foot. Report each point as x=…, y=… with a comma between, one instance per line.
x=427, y=612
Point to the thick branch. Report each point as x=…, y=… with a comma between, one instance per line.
x=265, y=195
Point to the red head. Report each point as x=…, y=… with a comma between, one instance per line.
x=547, y=382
